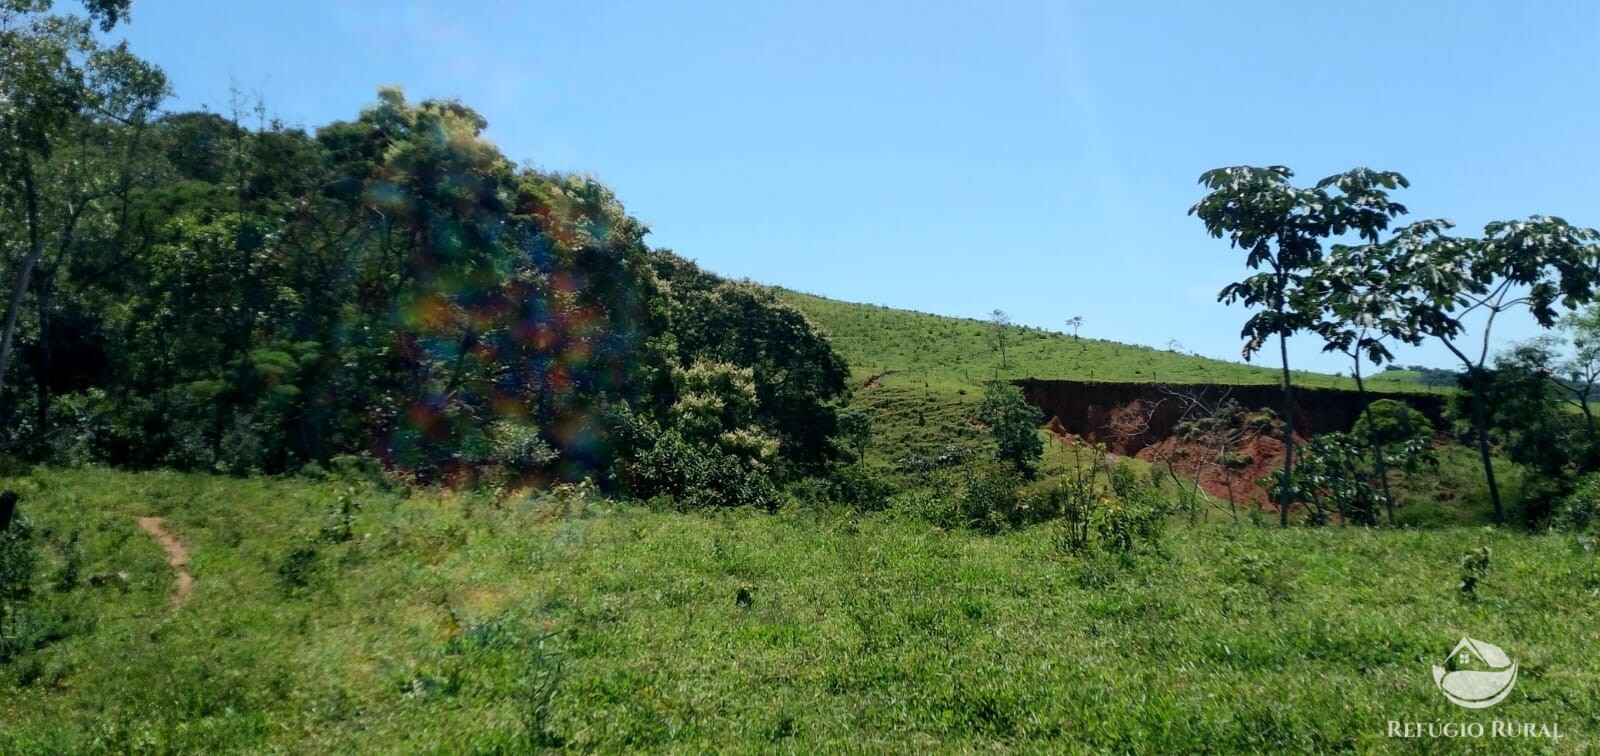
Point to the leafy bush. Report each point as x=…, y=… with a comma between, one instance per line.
x=993, y=500
x=18, y=562
x=1015, y=426
x=1075, y=500
x=518, y=446
x=298, y=568
x=1125, y=524
x=338, y=522
x=1579, y=512
x=1474, y=568
x=71, y=570
x=1391, y=422
x=663, y=463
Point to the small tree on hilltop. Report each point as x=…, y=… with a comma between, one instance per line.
x=999, y=324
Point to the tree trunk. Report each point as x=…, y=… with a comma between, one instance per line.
x=19, y=287
x=1588, y=414
x=45, y=357
x=1284, y=495
x=1480, y=414
x=1377, y=446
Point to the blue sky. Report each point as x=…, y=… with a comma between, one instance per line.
x=958, y=157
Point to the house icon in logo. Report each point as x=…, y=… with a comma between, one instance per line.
x=1476, y=675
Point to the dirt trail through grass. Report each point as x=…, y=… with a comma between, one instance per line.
x=875, y=380
x=177, y=557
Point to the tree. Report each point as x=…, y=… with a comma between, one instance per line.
x=1216, y=426
x=1581, y=370
x=1524, y=410
x=1014, y=424
x=1075, y=322
x=999, y=325
x=1282, y=228
x=1532, y=265
x=55, y=75
x=1361, y=299
x=855, y=425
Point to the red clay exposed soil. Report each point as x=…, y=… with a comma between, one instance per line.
x=1094, y=410
x=1265, y=454
x=873, y=381
x=1140, y=420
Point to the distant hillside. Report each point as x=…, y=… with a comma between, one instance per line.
x=920, y=375
x=958, y=352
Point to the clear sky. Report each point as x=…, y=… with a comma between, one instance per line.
x=958, y=157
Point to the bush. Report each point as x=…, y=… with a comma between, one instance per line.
x=1579, y=511
x=1392, y=422
x=1015, y=426
x=18, y=562
x=993, y=501
x=298, y=568
x=695, y=477
x=1129, y=512
x=518, y=446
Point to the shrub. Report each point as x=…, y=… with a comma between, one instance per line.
x=1392, y=422
x=1579, y=511
x=1474, y=568
x=71, y=570
x=1015, y=426
x=338, y=522
x=298, y=568
x=518, y=446
x=1075, y=501
x=18, y=562
x=696, y=477
x=992, y=501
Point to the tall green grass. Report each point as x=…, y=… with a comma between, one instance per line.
x=445, y=623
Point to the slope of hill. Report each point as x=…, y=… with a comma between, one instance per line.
x=333, y=617
x=920, y=375
x=960, y=353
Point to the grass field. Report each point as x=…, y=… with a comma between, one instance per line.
x=920, y=376
x=468, y=624
x=950, y=353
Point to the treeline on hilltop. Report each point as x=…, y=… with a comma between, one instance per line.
x=198, y=293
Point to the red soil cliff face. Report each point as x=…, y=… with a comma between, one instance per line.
x=1262, y=455
x=1139, y=420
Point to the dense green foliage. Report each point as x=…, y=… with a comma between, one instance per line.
x=213, y=296
x=1421, y=282
x=1579, y=512
x=1014, y=425
x=1390, y=421
x=1529, y=426
x=1281, y=229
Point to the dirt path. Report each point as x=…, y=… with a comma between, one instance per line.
x=873, y=381
x=177, y=557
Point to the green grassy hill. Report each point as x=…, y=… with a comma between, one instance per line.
x=949, y=353
x=448, y=623
x=920, y=376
